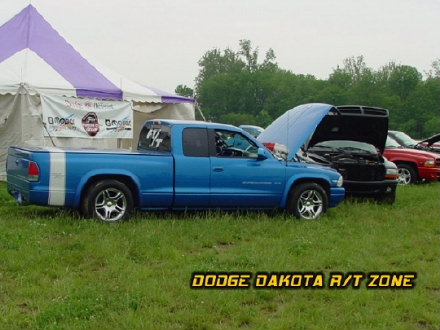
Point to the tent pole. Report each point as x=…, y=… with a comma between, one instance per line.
x=196, y=105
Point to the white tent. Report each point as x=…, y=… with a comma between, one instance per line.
x=46, y=86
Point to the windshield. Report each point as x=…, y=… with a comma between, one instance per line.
x=391, y=143
x=404, y=139
x=346, y=145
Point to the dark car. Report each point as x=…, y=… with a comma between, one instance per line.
x=350, y=139
x=406, y=141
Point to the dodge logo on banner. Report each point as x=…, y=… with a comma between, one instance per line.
x=86, y=118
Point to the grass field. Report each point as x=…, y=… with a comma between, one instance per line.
x=58, y=271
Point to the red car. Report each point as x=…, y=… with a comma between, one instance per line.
x=414, y=165
x=430, y=144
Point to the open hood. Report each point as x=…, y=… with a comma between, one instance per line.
x=295, y=126
x=431, y=140
x=355, y=123
x=309, y=124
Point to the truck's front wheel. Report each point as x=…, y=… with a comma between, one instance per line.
x=407, y=174
x=108, y=201
x=308, y=201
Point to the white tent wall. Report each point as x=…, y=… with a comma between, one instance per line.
x=21, y=125
x=10, y=127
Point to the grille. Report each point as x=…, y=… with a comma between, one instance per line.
x=362, y=172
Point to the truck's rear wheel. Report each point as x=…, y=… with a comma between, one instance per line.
x=308, y=201
x=108, y=201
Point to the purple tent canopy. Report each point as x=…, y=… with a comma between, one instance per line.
x=29, y=29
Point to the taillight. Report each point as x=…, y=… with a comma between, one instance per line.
x=33, y=171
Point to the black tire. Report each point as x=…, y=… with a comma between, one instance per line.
x=108, y=200
x=307, y=201
x=407, y=174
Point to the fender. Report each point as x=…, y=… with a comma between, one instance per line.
x=306, y=176
x=110, y=172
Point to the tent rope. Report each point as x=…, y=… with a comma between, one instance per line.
x=45, y=127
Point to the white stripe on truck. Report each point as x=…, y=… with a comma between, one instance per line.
x=57, y=178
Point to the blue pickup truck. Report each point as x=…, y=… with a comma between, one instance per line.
x=178, y=165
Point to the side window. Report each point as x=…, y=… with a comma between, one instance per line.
x=195, y=142
x=155, y=137
x=234, y=144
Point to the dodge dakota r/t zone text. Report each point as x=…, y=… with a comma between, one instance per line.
x=178, y=165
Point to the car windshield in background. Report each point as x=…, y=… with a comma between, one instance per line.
x=404, y=139
x=391, y=143
x=253, y=130
x=346, y=145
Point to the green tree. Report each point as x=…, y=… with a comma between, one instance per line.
x=422, y=110
x=250, y=55
x=269, y=64
x=403, y=80
x=235, y=82
x=235, y=87
x=216, y=62
x=355, y=67
x=184, y=90
x=340, y=78
x=434, y=72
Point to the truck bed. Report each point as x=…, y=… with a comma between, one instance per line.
x=55, y=188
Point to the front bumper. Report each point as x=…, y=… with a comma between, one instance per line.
x=429, y=173
x=370, y=188
x=336, y=196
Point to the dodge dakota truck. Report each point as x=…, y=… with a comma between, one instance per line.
x=177, y=165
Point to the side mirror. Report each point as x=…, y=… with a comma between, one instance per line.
x=261, y=154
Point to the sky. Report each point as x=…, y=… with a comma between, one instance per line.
x=159, y=42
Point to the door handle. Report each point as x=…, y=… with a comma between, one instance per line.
x=218, y=169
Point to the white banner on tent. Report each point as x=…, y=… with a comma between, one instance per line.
x=86, y=118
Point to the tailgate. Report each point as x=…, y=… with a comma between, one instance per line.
x=20, y=169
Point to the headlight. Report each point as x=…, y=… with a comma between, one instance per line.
x=429, y=163
x=340, y=181
x=391, y=173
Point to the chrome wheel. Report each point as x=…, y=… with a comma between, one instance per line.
x=405, y=176
x=310, y=204
x=110, y=204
